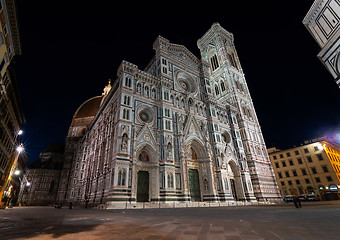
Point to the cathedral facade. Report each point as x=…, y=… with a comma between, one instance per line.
x=182, y=129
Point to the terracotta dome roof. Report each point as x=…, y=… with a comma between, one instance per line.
x=89, y=108
x=55, y=148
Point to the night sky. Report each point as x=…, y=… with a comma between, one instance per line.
x=70, y=50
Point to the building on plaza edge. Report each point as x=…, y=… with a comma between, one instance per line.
x=182, y=129
x=312, y=168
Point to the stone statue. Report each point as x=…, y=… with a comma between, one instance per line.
x=124, y=144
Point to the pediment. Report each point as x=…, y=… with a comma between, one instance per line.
x=192, y=128
x=145, y=135
x=183, y=54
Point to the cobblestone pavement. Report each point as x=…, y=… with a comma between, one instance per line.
x=312, y=221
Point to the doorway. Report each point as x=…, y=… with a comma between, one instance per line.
x=194, y=183
x=143, y=186
x=233, y=188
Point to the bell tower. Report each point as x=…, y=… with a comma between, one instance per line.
x=227, y=86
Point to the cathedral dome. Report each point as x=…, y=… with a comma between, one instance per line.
x=89, y=108
x=56, y=148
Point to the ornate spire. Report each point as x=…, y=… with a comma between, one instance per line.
x=107, y=88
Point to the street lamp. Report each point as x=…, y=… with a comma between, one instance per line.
x=20, y=132
x=20, y=148
x=17, y=172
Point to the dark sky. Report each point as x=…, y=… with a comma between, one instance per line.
x=70, y=49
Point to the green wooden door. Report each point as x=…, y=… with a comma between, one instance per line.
x=143, y=186
x=195, y=193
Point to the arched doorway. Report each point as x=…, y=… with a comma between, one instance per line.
x=145, y=174
x=236, y=189
x=194, y=182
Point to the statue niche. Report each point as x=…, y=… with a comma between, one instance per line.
x=124, y=144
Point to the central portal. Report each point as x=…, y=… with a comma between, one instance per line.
x=143, y=186
x=195, y=193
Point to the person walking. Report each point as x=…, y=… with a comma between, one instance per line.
x=297, y=202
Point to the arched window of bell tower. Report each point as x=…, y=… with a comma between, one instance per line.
x=217, y=91
x=214, y=62
x=222, y=86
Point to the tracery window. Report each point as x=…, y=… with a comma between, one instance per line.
x=139, y=88
x=127, y=100
x=121, y=177
x=127, y=82
x=126, y=114
x=170, y=180
x=217, y=91
x=166, y=95
x=146, y=91
x=167, y=125
x=214, y=62
x=222, y=86
x=153, y=93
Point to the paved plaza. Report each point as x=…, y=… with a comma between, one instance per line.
x=312, y=221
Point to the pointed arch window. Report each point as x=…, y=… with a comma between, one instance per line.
x=139, y=88
x=170, y=180
x=222, y=86
x=121, y=177
x=127, y=100
x=127, y=82
x=214, y=62
x=146, y=91
x=217, y=91
x=153, y=93
x=126, y=114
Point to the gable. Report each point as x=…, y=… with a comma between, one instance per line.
x=192, y=128
x=146, y=136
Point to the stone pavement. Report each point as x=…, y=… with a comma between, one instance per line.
x=312, y=221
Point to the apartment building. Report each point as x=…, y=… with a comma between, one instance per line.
x=311, y=168
x=11, y=116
